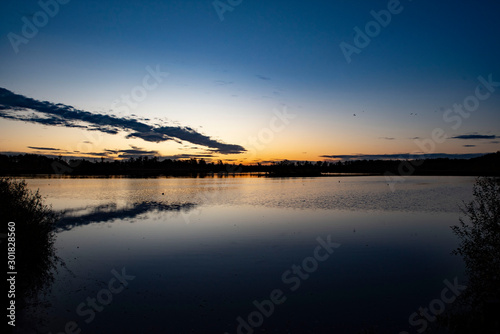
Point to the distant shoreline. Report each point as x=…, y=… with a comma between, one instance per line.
x=210, y=175
x=38, y=165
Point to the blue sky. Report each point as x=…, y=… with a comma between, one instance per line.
x=227, y=79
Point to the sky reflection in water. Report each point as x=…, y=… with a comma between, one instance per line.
x=207, y=248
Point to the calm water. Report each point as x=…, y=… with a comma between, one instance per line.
x=202, y=250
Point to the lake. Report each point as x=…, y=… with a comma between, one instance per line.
x=250, y=254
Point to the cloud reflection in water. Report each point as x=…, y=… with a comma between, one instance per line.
x=106, y=212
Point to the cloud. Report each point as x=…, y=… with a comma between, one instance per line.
x=469, y=145
x=189, y=135
x=133, y=152
x=93, y=154
x=475, y=136
x=261, y=77
x=187, y=156
x=65, y=155
x=112, y=154
x=387, y=138
x=223, y=83
x=19, y=107
x=403, y=156
x=44, y=148
x=138, y=151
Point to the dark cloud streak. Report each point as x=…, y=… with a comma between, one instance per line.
x=403, y=156
x=476, y=136
x=44, y=148
x=12, y=104
x=261, y=77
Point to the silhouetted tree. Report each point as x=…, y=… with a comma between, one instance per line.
x=35, y=257
x=145, y=165
x=478, y=308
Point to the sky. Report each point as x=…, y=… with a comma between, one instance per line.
x=250, y=81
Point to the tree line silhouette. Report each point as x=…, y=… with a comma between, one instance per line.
x=25, y=164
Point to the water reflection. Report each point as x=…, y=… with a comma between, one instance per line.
x=247, y=232
x=103, y=213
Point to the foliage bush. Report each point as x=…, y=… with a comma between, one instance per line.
x=34, y=231
x=479, y=233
